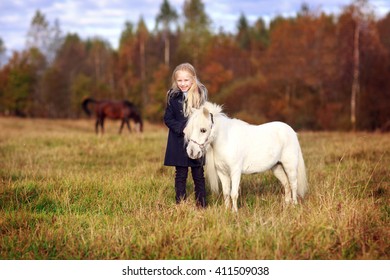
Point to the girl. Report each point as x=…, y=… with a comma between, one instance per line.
x=187, y=92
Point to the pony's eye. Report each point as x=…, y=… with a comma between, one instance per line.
x=203, y=130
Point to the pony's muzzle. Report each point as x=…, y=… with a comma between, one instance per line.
x=194, y=152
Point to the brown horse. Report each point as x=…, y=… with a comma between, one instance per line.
x=124, y=110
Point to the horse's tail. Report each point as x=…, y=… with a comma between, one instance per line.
x=302, y=180
x=85, y=105
x=211, y=171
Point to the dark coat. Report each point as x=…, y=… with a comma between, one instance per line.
x=175, y=154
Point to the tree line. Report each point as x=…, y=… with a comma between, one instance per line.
x=314, y=71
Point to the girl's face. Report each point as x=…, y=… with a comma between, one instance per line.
x=184, y=80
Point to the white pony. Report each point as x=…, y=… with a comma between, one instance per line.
x=234, y=147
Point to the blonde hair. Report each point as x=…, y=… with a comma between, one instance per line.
x=197, y=94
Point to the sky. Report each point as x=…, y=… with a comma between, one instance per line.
x=106, y=18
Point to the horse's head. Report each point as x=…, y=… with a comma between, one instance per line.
x=197, y=132
x=134, y=114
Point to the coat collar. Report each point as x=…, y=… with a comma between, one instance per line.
x=175, y=93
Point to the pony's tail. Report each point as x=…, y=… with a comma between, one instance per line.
x=302, y=180
x=211, y=172
x=84, y=105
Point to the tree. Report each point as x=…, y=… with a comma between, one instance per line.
x=128, y=80
x=384, y=31
x=243, y=34
x=166, y=16
x=261, y=33
x=55, y=92
x=142, y=37
x=81, y=87
x=157, y=99
x=56, y=41
x=19, y=86
x=383, y=27
x=100, y=66
x=44, y=37
x=355, y=22
x=38, y=33
x=71, y=62
x=2, y=53
x=196, y=29
x=215, y=76
x=300, y=69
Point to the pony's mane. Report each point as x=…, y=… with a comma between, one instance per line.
x=213, y=108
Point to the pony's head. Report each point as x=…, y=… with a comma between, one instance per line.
x=198, y=132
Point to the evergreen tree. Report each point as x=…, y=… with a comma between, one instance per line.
x=196, y=29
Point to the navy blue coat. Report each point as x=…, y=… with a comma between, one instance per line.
x=175, y=154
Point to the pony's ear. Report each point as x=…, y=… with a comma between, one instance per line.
x=206, y=112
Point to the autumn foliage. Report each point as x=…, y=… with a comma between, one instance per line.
x=300, y=70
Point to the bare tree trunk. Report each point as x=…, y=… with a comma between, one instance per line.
x=166, y=54
x=143, y=72
x=356, y=72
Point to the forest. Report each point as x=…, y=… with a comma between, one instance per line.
x=315, y=71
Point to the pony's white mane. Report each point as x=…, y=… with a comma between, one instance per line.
x=213, y=108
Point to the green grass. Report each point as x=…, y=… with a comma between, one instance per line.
x=66, y=193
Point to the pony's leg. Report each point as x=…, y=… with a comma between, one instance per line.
x=225, y=182
x=292, y=175
x=281, y=175
x=102, y=125
x=236, y=177
x=97, y=126
x=99, y=122
x=128, y=125
x=121, y=127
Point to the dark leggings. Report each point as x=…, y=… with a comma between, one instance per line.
x=199, y=182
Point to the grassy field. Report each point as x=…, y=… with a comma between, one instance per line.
x=66, y=193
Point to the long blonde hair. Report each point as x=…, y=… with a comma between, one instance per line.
x=197, y=94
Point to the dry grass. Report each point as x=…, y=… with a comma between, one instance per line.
x=67, y=194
